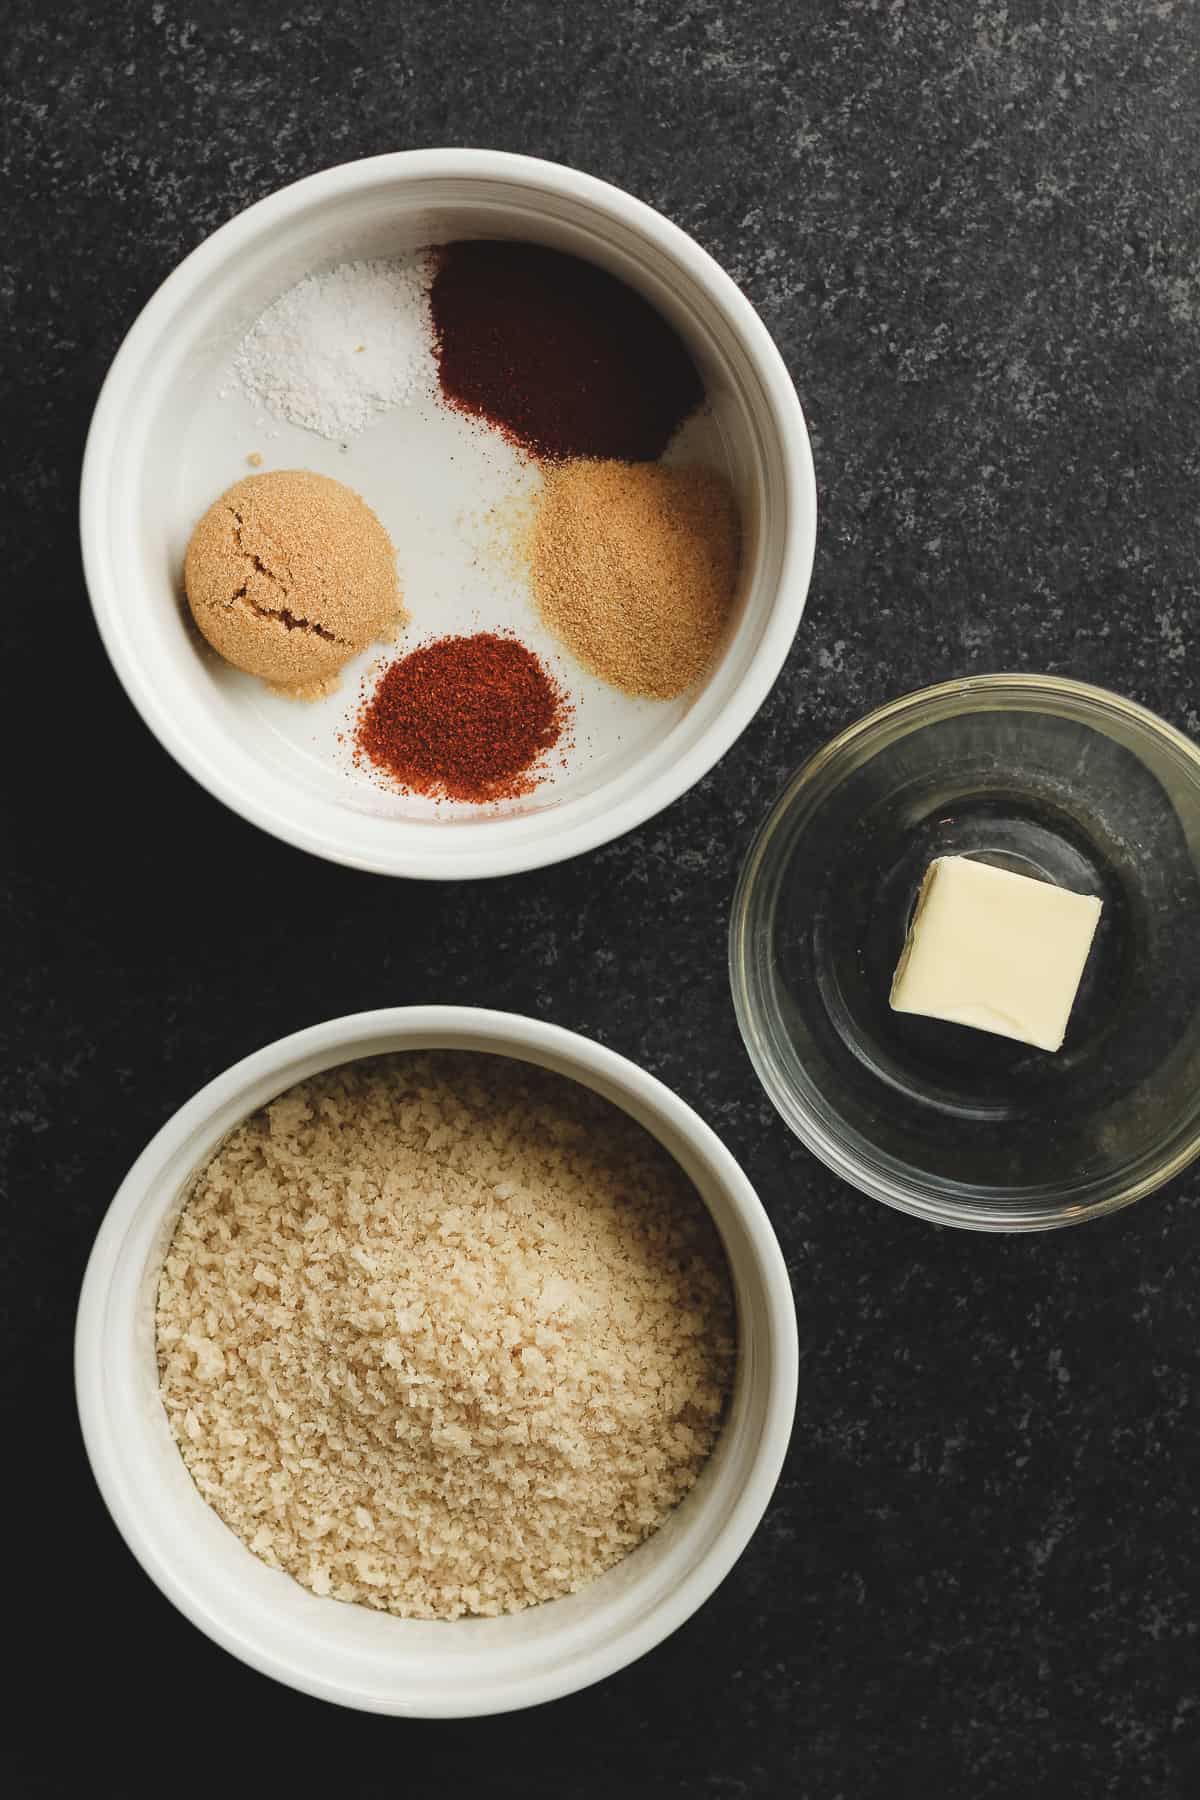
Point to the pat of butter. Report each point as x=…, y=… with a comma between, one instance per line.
x=999, y=952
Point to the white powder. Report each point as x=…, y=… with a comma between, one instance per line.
x=340, y=348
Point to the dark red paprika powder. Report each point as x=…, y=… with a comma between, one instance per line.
x=563, y=357
x=463, y=718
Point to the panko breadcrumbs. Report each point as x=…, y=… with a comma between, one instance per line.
x=444, y=1334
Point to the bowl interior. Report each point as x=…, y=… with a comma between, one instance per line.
x=452, y=494
x=348, y=1653
x=1049, y=780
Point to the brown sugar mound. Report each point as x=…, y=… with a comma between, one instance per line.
x=634, y=567
x=444, y=1334
x=290, y=574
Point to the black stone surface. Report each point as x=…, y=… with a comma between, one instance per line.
x=975, y=231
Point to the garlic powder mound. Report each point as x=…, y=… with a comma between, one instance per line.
x=634, y=568
x=444, y=1334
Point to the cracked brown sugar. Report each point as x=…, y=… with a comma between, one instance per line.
x=288, y=575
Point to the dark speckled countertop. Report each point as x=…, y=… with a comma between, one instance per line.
x=974, y=230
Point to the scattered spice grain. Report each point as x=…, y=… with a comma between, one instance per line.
x=463, y=718
x=563, y=357
x=444, y=1334
x=634, y=566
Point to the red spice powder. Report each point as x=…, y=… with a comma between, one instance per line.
x=562, y=356
x=463, y=718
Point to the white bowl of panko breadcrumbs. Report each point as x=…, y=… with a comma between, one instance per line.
x=436, y=1361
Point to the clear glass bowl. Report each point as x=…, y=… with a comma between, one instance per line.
x=1042, y=776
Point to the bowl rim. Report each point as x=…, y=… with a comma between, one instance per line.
x=559, y=839
x=436, y=1027
x=1042, y=1213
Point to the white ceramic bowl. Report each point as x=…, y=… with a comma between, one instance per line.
x=171, y=431
x=347, y=1653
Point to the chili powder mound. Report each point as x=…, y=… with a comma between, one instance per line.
x=563, y=357
x=463, y=718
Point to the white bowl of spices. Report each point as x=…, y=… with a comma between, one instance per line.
x=582, y=446
x=436, y=1361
